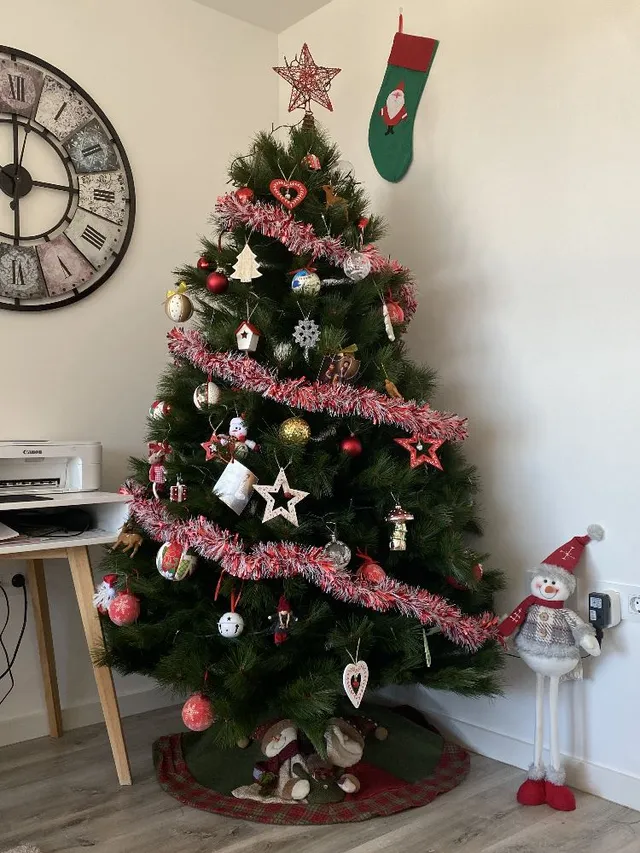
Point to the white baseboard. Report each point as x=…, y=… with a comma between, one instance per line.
x=605, y=782
x=35, y=725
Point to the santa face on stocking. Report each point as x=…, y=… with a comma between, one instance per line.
x=394, y=111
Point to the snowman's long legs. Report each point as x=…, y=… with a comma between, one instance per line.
x=554, y=683
x=537, y=742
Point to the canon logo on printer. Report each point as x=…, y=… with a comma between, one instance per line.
x=32, y=452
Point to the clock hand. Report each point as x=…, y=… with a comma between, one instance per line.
x=18, y=162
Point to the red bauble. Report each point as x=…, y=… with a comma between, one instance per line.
x=396, y=314
x=477, y=571
x=370, y=571
x=351, y=445
x=197, y=713
x=203, y=264
x=124, y=609
x=217, y=282
x=244, y=194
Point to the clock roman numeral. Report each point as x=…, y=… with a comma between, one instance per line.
x=93, y=236
x=18, y=274
x=16, y=86
x=65, y=268
x=91, y=149
x=60, y=111
x=104, y=195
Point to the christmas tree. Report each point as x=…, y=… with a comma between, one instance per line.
x=303, y=508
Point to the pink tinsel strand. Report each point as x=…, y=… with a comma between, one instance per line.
x=300, y=238
x=340, y=400
x=286, y=559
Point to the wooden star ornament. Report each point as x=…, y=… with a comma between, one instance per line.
x=292, y=496
x=309, y=82
x=415, y=445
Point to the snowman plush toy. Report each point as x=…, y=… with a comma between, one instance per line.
x=549, y=637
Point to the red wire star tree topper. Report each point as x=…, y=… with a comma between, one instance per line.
x=309, y=82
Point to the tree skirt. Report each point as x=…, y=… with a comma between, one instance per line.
x=409, y=769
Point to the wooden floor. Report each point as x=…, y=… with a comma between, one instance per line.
x=63, y=797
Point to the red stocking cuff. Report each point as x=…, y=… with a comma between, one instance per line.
x=413, y=52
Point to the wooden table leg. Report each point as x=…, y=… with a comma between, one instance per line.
x=83, y=582
x=40, y=608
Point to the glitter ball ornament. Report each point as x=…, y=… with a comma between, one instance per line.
x=357, y=266
x=230, y=624
x=197, y=713
x=338, y=552
x=351, y=445
x=203, y=264
x=295, y=431
x=124, y=609
x=306, y=282
x=244, y=194
x=206, y=395
x=217, y=282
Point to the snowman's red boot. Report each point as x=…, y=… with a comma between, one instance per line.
x=532, y=791
x=558, y=795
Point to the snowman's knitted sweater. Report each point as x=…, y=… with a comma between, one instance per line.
x=552, y=633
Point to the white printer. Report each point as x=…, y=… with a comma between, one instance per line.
x=49, y=467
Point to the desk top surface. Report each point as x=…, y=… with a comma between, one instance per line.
x=66, y=499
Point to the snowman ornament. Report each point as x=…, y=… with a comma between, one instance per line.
x=548, y=637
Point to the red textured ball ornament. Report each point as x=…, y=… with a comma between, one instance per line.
x=203, y=264
x=244, y=195
x=217, y=282
x=396, y=314
x=351, y=445
x=124, y=609
x=197, y=713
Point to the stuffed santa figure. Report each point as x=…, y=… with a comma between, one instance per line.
x=394, y=111
x=548, y=637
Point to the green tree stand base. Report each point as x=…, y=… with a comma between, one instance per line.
x=393, y=117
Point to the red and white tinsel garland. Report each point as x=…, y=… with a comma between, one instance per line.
x=245, y=372
x=269, y=560
x=300, y=238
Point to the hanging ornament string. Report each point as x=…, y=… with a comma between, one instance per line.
x=340, y=400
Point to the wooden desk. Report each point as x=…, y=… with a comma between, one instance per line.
x=108, y=512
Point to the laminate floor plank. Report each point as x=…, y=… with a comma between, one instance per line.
x=63, y=796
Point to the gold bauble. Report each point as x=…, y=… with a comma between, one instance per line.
x=178, y=307
x=295, y=431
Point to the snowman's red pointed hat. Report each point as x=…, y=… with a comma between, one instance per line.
x=562, y=562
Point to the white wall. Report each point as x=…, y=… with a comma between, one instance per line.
x=185, y=88
x=519, y=217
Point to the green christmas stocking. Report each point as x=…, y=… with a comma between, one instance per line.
x=391, y=125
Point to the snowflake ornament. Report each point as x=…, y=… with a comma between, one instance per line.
x=306, y=334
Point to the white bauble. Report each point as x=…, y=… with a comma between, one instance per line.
x=206, y=395
x=357, y=266
x=178, y=308
x=231, y=624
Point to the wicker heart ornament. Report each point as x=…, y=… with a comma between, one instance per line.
x=277, y=186
x=354, y=680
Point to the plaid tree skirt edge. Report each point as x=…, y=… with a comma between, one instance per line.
x=174, y=777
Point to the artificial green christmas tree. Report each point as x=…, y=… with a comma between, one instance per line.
x=321, y=510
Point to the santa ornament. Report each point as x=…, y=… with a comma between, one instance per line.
x=391, y=125
x=548, y=637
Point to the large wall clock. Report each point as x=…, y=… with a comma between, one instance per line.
x=67, y=200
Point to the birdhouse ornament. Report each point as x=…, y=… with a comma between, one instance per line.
x=548, y=637
x=247, y=337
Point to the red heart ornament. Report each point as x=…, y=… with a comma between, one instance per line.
x=354, y=681
x=277, y=186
